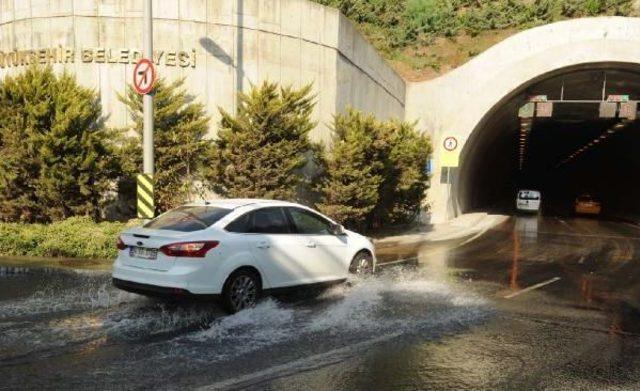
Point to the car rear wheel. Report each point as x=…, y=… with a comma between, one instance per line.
x=361, y=264
x=241, y=290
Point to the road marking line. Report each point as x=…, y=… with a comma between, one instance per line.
x=532, y=287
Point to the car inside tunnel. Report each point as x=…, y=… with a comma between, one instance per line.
x=582, y=146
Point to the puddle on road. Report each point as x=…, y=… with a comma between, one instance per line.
x=79, y=312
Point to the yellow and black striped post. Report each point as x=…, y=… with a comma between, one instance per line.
x=146, y=206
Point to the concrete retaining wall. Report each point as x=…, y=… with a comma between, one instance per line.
x=218, y=46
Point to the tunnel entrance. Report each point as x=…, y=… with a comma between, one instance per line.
x=579, y=149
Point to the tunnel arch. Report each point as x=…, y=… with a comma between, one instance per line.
x=499, y=128
x=461, y=102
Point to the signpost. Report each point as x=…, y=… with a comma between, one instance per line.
x=145, y=200
x=544, y=109
x=449, y=158
x=450, y=143
x=450, y=155
x=629, y=110
x=144, y=76
x=538, y=98
x=618, y=98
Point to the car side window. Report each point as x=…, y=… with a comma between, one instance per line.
x=261, y=221
x=269, y=221
x=309, y=223
x=240, y=225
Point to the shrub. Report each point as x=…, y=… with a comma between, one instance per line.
x=76, y=237
x=260, y=152
x=180, y=127
x=354, y=170
x=375, y=171
x=57, y=157
x=406, y=179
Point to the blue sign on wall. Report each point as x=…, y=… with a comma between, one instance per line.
x=428, y=167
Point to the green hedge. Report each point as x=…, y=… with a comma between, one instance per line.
x=76, y=237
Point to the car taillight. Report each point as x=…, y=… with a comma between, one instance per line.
x=189, y=249
x=120, y=244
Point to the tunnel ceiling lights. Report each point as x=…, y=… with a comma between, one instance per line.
x=525, y=128
x=611, y=106
x=605, y=135
x=537, y=106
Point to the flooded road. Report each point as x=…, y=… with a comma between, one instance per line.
x=535, y=303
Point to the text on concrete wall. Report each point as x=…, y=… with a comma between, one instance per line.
x=62, y=55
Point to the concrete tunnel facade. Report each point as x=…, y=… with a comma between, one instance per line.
x=470, y=102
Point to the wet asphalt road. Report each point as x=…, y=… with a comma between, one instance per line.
x=466, y=317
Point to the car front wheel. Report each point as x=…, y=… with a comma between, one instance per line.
x=241, y=290
x=362, y=264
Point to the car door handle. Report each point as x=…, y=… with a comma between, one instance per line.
x=311, y=244
x=263, y=245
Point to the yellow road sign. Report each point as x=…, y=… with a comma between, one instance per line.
x=146, y=206
x=450, y=156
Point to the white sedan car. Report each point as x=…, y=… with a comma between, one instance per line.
x=237, y=250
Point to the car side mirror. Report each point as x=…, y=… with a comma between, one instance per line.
x=338, y=230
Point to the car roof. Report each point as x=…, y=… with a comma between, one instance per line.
x=238, y=202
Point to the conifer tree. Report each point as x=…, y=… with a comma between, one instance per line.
x=375, y=171
x=405, y=179
x=260, y=151
x=180, y=127
x=354, y=169
x=57, y=157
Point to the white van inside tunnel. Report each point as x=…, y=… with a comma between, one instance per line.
x=528, y=201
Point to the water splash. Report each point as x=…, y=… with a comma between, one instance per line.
x=94, y=312
x=87, y=296
x=401, y=302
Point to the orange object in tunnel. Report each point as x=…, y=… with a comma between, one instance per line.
x=585, y=204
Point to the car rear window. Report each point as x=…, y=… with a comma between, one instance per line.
x=188, y=218
x=529, y=195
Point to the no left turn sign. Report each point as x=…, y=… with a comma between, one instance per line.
x=450, y=143
x=144, y=76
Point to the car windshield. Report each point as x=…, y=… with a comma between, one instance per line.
x=585, y=198
x=188, y=218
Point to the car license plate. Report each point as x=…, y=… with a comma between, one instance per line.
x=144, y=253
